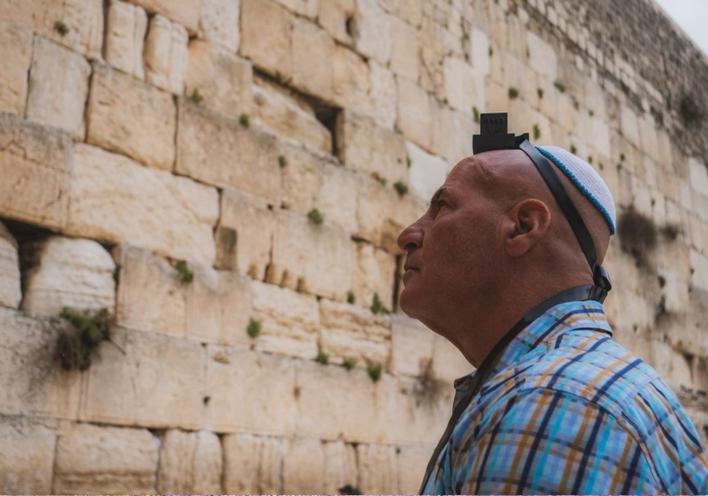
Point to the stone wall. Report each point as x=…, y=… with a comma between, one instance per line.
x=227, y=179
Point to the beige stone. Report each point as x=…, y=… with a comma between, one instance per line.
x=313, y=50
x=301, y=179
x=219, y=22
x=27, y=455
x=166, y=54
x=286, y=116
x=463, y=87
x=289, y=321
x=427, y=172
x=130, y=117
x=698, y=175
x=542, y=56
x=115, y=199
x=16, y=54
x=185, y=12
x=451, y=134
x=73, y=273
x=382, y=95
x=10, y=282
x=414, y=115
x=354, y=333
x=315, y=259
x=35, y=165
x=125, y=37
x=350, y=79
x=479, y=51
x=339, y=467
x=146, y=379
x=363, y=146
x=82, y=18
x=190, y=462
x=307, y=8
x=377, y=468
x=412, y=346
x=249, y=392
x=269, y=49
x=411, y=464
x=303, y=466
x=373, y=31
x=223, y=152
x=337, y=196
x=336, y=16
x=375, y=275
x=404, y=49
x=629, y=125
x=92, y=458
x=32, y=382
x=448, y=363
x=253, y=464
x=222, y=79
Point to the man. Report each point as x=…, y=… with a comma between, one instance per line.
x=501, y=267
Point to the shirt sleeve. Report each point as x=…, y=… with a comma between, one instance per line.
x=546, y=441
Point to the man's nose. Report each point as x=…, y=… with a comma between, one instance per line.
x=411, y=238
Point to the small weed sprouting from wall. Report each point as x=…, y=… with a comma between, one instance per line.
x=536, y=132
x=374, y=371
x=670, y=231
x=322, y=358
x=88, y=330
x=539, y=92
x=351, y=299
x=401, y=188
x=315, y=216
x=116, y=273
x=573, y=148
x=559, y=86
x=254, y=328
x=513, y=93
x=377, y=306
x=282, y=161
x=427, y=389
x=244, y=120
x=409, y=162
x=196, y=97
x=349, y=363
x=637, y=235
x=184, y=273
x=61, y=28
x=382, y=180
x=475, y=114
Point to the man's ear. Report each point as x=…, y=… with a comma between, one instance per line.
x=525, y=225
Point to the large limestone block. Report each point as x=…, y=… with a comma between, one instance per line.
x=213, y=307
x=289, y=321
x=247, y=221
x=629, y=125
x=307, y=8
x=115, y=199
x=335, y=17
x=315, y=259
x=190, y=462
x=92, y=458
x=219, y=22
x=373, y=31
x=16, y=54
x=35, y=165
x=303, y=466
x=463, y=86
x=698, y=175
x=411, y=12
x=364, y=146
x=249, y=391
x=284, y=115
x=427, y=172
x=10, y=281
x=352, y=332
x=146, y=379
x=131, y=117
x=27, y=455
x=125, y=37
x=479, y=51
x=340, y=467
x=376, y=271
x=377, y=469
x=184, y=12
x=221, y=78
x=411, y=464
x=253, y=464
x=337, y=196
x=32, y=382
x=74, y=273
x=451, y=134
x=448, y=363
x=225, y=153
x=414, y=115
x=166, y=54
x=412, y=346
x=404, y=49
x=82, y=18
x=266, y=36
x=382, y=95
x=542, y=56
x=351, y=80
x=313, y=50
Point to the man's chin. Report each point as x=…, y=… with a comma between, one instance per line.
x=409, y=303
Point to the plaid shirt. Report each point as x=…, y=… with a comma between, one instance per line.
x=568, y=410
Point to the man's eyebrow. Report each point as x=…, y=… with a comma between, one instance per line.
x=437, y=194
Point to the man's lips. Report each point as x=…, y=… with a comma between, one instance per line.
x=409, y=271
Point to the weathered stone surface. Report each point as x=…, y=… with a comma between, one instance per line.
x=190, y=462
x=315, y=259
x=542, y=56
x=253, y=464
x=219, y=22
x=382, y=95
x=335, y=17
x=427, y=172
x=289, y=321
x=32, y=382
x=337, y=196
x=10, y=282
x=352, y=332
x=225, y=153
x=249, y=392
x=375, y=275
x=185, y=12
x=16, y=54
x=73, y=273
x=125, y=36
x=115, y=199
x=414, y=117
x=412, y=346
x=404, y=49
x=479, y=51
x=698, y=175
x=92, y=458
x=364, y=146
x=222, y=79
x=303, y=466
x=629, y=125
x=213, y=307
x=313, y=50
x=131, y=117
x=411, y=464
x=286, y=116
x=339, y=467
x=166, y=54
x=27, y=455
x=307, y=8
x=146, y=379
x=351, y=79
x=448, y=362
x=83, y=20
x=451, y=134
x=377, y=468
x=464, y=88
x=269, y=49
x=35, y=165
x=373, y=31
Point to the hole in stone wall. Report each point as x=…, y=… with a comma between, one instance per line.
x=350, y=26
x=637, y=234
x=28, y=237
x=226, y=241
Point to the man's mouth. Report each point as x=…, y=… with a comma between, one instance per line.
x=409, y=271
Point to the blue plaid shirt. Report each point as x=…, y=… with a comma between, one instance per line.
x=568, y=410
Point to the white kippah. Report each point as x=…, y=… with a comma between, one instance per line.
x=584, y=177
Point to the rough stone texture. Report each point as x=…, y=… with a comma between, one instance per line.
x=125, y=37
x=333, y=17
x=130, y=117
x=253, y=463
x=414, y=113
x=16, y=54
x=377, y=468
x=184, y=12
x=269, y=49
x=463, y=87
x=412, y=461
x=373, y=31
x=313, y=50
x=412, y=346
x=190, y=462
x=10, y=282
x=73, y=273
x=35, y=164
x=27, y=455
x=351, y=80
x=115, y=199
x=427, y=172
x=166, y=54
x=219, y=22
x=83, y=20
x=404, y=49
x=303, y=466
x=382, y=95
x=105, y=459
x=375, y=275
x=340, y=467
